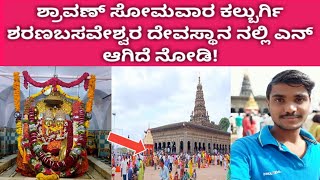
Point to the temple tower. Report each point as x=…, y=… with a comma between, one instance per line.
x=246, y=86
x=199, y=114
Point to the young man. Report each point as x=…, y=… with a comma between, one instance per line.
x=285, y=150
x=164, y=171
x=124, y=168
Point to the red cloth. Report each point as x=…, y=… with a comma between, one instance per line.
x=118, y=169
x=248, y=126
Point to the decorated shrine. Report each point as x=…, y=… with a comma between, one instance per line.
x=148, y=143
x=53, y=127
x=251, y=106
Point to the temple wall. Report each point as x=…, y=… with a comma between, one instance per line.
x=8, y=141
x=188, y=135
x=102, y=144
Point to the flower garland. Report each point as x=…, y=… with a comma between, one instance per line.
x=40, y=92
x=19, y=138
x=75, y=98
x=92, y=87
x=16, y=99
x=75, y=151
x=16, y=91
x=28, y=103
x=49, y=177
x=55, y=81
x=86, y=125
x=24, y=144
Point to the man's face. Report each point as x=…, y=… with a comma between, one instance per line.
x=289, y=105
x=161, y=164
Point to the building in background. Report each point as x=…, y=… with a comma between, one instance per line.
x=195, y=135
x=246, y=101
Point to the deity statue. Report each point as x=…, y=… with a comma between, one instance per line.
x=53, y=134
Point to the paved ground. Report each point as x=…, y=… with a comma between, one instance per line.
x=212, y=173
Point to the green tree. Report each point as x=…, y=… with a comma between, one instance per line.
x=224, y=124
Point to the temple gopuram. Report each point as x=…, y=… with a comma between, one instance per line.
x=194, y=135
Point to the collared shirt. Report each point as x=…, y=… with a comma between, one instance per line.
x=261, y=156
x=164, y=173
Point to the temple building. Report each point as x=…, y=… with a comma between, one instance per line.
x=194, y=135
x=246, y=102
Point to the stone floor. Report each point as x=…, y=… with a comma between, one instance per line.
x=212, y=173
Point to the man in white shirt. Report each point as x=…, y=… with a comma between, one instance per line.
x=124, y=168
x=170, y=161
x=164, y=171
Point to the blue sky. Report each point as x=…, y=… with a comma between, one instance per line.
x=145, y=97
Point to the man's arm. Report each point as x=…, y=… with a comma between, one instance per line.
x=239, y=166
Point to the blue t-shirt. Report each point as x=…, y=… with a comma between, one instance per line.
x=261, y=156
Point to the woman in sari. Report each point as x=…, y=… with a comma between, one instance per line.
x=141, y=171
x=190, y=166
x=181, y=168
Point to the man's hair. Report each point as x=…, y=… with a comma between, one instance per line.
x=291, y=78
x=161, y=160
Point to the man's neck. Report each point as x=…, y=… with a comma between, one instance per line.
x=283, y=136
